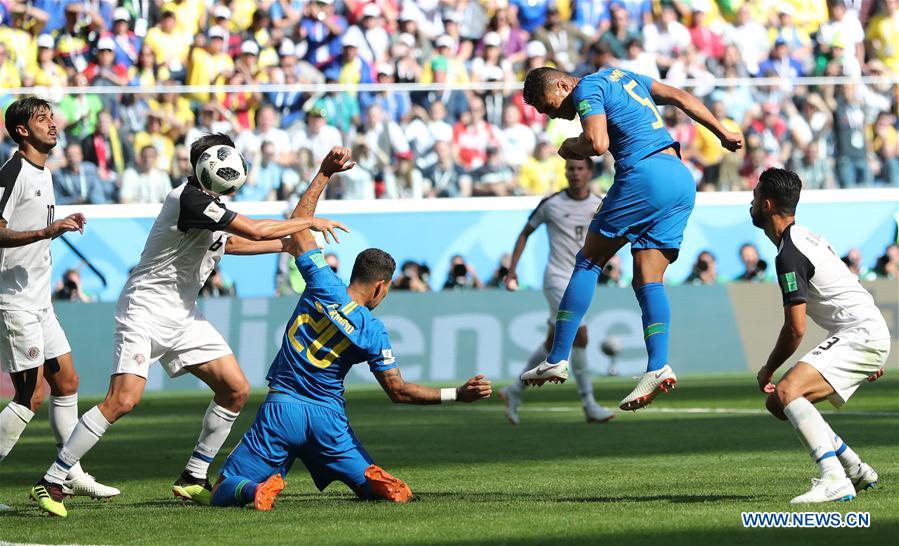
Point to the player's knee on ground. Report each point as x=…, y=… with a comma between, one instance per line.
x=580, y=339
x=381, y=485
x=772, y=404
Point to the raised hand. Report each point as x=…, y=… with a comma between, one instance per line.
x=72, y=222
x=339, y=159
x=732, y=141
x=327, y=228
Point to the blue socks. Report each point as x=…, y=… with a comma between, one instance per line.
x=656, y=323
x=574, y=305
x=234, y=491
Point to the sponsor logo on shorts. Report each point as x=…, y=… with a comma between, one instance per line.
x=33, y=353
x=139, y=359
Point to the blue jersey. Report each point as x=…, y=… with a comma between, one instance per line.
x=326, y=335
x=636, y=129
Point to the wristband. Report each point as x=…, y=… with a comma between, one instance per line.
x=447, y=395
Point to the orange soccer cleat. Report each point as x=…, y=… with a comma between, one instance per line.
x=267, y=492
x=386, y=486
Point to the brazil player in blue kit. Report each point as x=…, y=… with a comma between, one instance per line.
x=332, y=328
x=647, y=206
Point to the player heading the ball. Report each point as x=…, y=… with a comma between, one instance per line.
x=647, y=206
x=303, y=417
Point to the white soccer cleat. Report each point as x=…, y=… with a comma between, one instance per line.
x=512, y=399
x=86, y=485
x=838, y=490
x=594, y=413
x=864, y=477
x=554, y=373
x=650, y=385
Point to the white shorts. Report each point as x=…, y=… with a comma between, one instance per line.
x=553, y=293
x=139, y=343
x=28, y=338
x=845, y=361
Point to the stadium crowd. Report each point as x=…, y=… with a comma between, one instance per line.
x=130, y=147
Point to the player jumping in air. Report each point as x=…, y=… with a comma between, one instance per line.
x=157, y=319
x=332, y=328
x=566, y=215
x=33, y=346
x=815, y=282
x=647, y=206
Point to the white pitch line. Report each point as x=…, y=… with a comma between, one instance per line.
x=686, y=411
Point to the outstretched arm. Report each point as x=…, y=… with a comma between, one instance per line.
x=10, y=238
x=512, y=276
x=666, y=94
x=339, y=159
x=401, y=392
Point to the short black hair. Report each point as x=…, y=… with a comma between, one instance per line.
x=20, y=112
x=782, y=187
x=537, y=82
x=204, y=143
x=373, y=265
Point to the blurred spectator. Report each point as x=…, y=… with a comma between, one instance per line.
x=690, y=65
x=780, y=62
x=592, y=16
x=882, y=35
x=79, y=112
x=490, y=67
x=611, y=274
x=147, y=72
x=853, y=260
x=267, y=180
x=666, y=38
x=529, y=13
x=753, y=267
x=850, y=139
x=395, y=104
x=813, y=169
x=461, y=275
x=405, y=181
x=153, y=136
x=708, y=42
x=169, y=45
x=105, y=72
x=209, y=62
x=127, y=42
x=886, y=148
x=472, y=135
x=77, y=182
x=843, y=25
x=72, y=40
x=319, y=137
x=106, y=149
x=711, y=156
x=639, y=61
x=495, y=177
x=213, y=118
x=446, y=177
x=750, y=37
x=411, y=278
x=217, y=285
x=358, y=182
x=249, y=141
x=69, y=288
x=704, y=270
x=181, y=168
x=48, y=72
x=544, y=172
x=145, y=183
x=561, y=39
x=517, y=140
x=322, y=29
x=498, y=278
x=514, y=37
x=619, y=33
x=887, y=266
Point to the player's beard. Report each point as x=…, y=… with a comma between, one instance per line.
x=758, y=220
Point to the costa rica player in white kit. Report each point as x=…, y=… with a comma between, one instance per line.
x=33, y=346
x=157, y=319
x=814, y=281
x=566, y=214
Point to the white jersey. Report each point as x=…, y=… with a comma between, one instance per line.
x=27, y=203
x=181, y=251
x=810, y=272
x=567, y=220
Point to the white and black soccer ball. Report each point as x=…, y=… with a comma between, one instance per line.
x=221, y=169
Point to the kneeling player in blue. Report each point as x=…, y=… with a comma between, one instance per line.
x=647, y=206
x=303, y=416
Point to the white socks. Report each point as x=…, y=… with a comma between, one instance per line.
x=13, y=420
x=63, y=418
x=216, y=426
x=86, y=434
x=848, y=458
x=582, y=375
x=538, y=356
x=816, y=435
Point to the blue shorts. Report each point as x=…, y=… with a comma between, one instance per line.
x=286, y=429
x=649, y=204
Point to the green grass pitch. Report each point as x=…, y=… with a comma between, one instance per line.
x=661, y=476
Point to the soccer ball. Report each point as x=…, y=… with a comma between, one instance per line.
x=221, y=169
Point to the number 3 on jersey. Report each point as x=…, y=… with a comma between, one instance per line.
x=325, y=329
x=629, y=87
